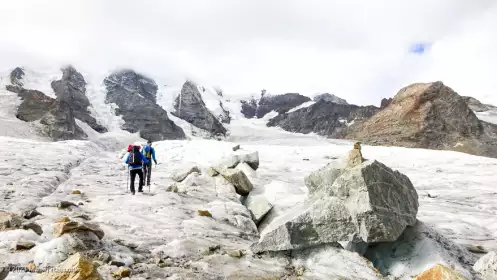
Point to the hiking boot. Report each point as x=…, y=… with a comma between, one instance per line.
x=133, y=193
x=140, y=190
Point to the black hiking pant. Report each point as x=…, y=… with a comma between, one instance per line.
x=147, y=169
x=132, y=174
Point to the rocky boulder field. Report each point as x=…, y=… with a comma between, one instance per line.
x=216, y=211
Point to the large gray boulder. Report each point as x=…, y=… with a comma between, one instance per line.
x=368, y=202
x=258, y=205
x=231, y=161
x=323, y=117
x=72, y=90
x=135, y=96
x=190, y=106
x=486, y=266
x=238, y=179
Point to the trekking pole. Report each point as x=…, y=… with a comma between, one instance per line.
x=127, y=180
x=150, y=170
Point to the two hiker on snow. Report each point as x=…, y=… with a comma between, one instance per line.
x=139, y=163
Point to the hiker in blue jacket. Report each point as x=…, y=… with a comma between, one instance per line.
x=135, y=160
x=149, y=153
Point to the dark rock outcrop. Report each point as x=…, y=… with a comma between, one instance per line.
x=385, y=102
x=330, y=98
x=16, y=77
x=475, y=105
x=72, y=90
x=280, y=103
x=428, y=115
x=135, y=95
x=249, y=108
x=56, y=116
x=190, y=106
x=324, y=118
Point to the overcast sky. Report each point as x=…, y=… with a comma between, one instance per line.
x=356, y=49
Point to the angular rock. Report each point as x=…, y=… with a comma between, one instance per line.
x=135, y=95
x=63, y=220
x=19, y=246
x=238, y=179
x=235, y=253
x=30, y=214
x=65, y=204
x=71, y=89
x=190, y=106
x=122, y=272
x=440, y=272
x=204, y=213
x=323, y=118
x=9, y=221
x=430, y=116
x=4, y=272
x=76, y=267
x=369, y=202
x=73, y=226
x=477, y=249
x=330, y=98
x=172, y=188
x=325, y=176
x=258, y=205
x=117, y=263
x=486, y=266
x=237, y=147
x=252, y=159
x=76, y=192
x=33, y=226
x=212, y=172
x=181, y=175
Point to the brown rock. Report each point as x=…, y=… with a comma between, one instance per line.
x=75, y=267
x=122, y=272
x=385, y=102
x=73, y=226
x=355, y=156
x=9, y=221
x=440, y=272
x=235, y=253
x=62, y=220
x=76, y=192
x=204, y=213
x=428, y=115
x=20, y=246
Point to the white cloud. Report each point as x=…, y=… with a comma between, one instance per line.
x=355, y=49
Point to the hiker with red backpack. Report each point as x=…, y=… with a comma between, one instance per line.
x=135, y=160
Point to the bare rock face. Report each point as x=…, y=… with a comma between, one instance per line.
x=135, y=95
x=385, y=102
x=475, y=105
x=324, y=118
x=281, y=103
x=330, y=98
x=72, y=90
x=429, y=115
x=190, y=106
x=356, y=201
x=56, y=117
